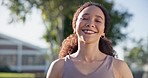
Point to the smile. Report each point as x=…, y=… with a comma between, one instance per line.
x=87, y=31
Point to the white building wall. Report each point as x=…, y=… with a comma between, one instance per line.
x=19, y=52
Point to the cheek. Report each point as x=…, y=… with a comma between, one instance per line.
x=101, y=28
x=79, y=24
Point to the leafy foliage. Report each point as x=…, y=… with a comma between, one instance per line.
x=57, y=16
x=137, y=55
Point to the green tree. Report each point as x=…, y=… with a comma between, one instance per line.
x=57, y=16
x=137, y=55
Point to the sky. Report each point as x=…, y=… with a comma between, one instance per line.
x=138, y=26
x=33, y=29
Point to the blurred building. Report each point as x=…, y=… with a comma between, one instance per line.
x=22, y=56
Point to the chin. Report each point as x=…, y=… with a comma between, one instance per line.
x=88, y=38
x=89, y=41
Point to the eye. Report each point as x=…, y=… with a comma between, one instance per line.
x=84, y=18
x=97, y=21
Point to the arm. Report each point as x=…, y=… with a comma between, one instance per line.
x=121, y=69
x=55, y=69
x=125, y=71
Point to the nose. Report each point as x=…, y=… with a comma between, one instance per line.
x=90, y=24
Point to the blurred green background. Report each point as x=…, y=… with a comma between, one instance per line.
x=56, y=17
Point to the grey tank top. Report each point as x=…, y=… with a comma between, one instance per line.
x=103, y=71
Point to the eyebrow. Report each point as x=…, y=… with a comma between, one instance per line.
x=95, y=15
x=99, y=16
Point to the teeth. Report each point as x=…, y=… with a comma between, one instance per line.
x=88, y=31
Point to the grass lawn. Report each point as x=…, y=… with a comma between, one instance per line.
x=17, y=75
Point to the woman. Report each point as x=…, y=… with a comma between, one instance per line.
x=88, y=53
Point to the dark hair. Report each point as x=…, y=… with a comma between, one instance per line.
x=70, y=44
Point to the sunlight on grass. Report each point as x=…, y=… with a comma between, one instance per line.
x=17, y=75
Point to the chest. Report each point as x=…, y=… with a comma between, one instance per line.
x=87, y=68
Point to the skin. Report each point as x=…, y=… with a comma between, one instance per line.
x=89, y=28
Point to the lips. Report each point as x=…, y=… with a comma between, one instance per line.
x=89, y=31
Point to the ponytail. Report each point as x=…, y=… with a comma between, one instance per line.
x=70, y=46
x=105, y=46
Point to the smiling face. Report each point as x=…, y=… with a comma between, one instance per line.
x=90, y=24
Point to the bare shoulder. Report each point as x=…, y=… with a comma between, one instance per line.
x=119, y=63
x=56, y=69
x=121, y=69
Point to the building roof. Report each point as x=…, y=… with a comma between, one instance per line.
x=5, y=39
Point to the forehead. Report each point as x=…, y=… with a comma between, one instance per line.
x=92, y=10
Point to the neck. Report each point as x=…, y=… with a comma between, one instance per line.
x=89, y=52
